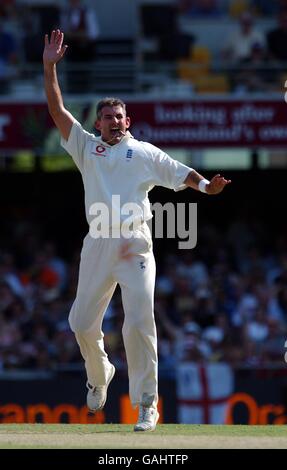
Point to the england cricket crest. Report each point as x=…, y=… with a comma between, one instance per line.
x=129, y=155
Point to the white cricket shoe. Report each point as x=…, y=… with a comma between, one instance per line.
x=148, y=415
x=97, y=396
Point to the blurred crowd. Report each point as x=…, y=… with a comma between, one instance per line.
x=258, y=56
x=225, y=300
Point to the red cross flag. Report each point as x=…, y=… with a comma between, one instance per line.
x=203, y=391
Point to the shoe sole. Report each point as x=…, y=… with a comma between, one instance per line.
x=151, y=429
x=110, y=379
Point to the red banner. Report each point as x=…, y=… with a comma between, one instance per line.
x=209, y=124
x=190, y=124
x=23, y=126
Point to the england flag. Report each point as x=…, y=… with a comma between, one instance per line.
x=203, y=391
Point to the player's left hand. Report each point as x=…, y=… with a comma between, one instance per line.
x=217, y=184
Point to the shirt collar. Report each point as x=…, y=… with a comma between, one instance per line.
x=125, y=138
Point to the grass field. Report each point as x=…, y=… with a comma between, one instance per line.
x=116, y=436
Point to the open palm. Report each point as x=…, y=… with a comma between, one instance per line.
x=54, y=50
x=217, y=184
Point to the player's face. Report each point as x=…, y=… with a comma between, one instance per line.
x=113, y=124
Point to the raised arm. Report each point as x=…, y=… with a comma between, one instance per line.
x=198, y=182
x=53, y=53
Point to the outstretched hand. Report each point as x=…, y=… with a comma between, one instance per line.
x=54, y=50
x=217, y=184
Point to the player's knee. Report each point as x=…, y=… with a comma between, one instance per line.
x=80, y=319
x=79, y=325
x=141, y=300
x=141, y=322
x=77, y=328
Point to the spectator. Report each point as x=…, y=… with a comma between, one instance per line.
x=10, y=12
x=257, y=330
x=56, y=264
x=275, y=341
x=240, y=43
x=81, y=28
x=8, y=58
x=256, y=75
x=277, y=38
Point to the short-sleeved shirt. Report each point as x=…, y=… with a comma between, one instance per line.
x=123, y=172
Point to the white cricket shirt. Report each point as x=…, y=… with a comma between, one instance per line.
x=129, y=169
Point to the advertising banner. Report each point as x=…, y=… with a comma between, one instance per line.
x=201, y=394
x=173, y=124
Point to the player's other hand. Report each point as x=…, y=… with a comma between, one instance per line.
x=217, y=184
x=54, y=49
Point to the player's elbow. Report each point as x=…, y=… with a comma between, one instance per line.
x=55, y=111
x=63, y=121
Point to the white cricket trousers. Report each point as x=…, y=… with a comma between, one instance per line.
x=101, y=268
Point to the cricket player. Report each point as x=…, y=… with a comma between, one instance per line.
x=116, y=164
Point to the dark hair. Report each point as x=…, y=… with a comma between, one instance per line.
x=109, y=101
